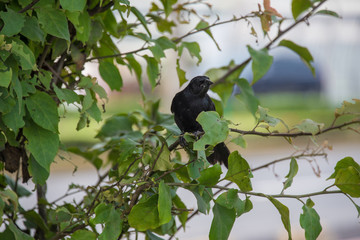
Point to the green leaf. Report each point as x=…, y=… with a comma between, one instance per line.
x=157, y=52
x=45, y=78
x=53, y=22
x=299, y=6
x=83, y=234
x=102, y=212
x=164, y=203
x=18, y=189
x=183, y=216
x=205, y=25
x=111, y=75
x=266, y=118
x=247, y=95
x=141, y=18
x=73, y=6
x=309, y=126
x=16, y=85
x=43, y=110
x=240, y=141
x=91, y=156
x=152, y=70
x=163, y=163
x=114, y=126
x=32, y=30
x=145, y=214
x=303, y=53
x=243, y=206
x=83, y=121
x=348, y=181
x=222, y=223
x=5, y=77
x=284, y=213
x=210, y=176
x=96, y=32
x=42, y=144
x=94, y=112
x=239, y=172
x=216, y=130
x=168, y=6
x=113, y=226
x=328, y=13
x=345, y=163
x=165, y=43
x=33, y=217
x=39, y=173
x=152, y=236
x=203, y=197
x=23, y=54
x=180, y=73
x=66, y=95
x=82, y=23
x=292, y=173
x=261, y=62
x=14, y=119
x=193, y=48
x=13, y=22
x=19, y=235
x=348, y=108
x=61, y=215
x=310, y=221
x=228, y=199
x=10, y=196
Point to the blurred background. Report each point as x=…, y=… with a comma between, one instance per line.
x=289, y=90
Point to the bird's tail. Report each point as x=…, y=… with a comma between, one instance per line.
x=220, y=155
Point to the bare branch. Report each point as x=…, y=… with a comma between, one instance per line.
x=280, y=34
x=296, y=134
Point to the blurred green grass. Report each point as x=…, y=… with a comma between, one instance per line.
x=292, y=108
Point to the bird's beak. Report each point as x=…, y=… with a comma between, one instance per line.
x=209, y=82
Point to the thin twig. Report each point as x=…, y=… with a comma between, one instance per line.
x=57, y=76
x=280, y=34
x=295, y=134
x=29, y=6
x=287, y=158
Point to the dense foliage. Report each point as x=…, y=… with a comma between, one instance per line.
x=44, y=45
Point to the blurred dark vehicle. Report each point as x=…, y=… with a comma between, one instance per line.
x=286, y=75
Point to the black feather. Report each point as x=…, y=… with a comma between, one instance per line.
x=188, y=104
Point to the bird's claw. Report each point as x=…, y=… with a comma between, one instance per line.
x=198, y=134
x=183, y=142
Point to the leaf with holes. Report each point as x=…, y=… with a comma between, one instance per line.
x=310, y=126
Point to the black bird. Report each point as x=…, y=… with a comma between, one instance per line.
x=188, y=104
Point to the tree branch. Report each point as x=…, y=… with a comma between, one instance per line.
x=194, y=31
x=29, y=6
x=280, y=34
x=288, y=158
x=296, y=134
x=276, y=134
